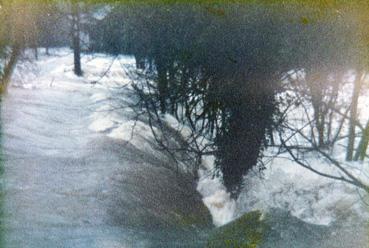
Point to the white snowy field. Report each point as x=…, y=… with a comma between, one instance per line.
x=284, y=184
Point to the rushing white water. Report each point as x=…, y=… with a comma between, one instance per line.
x=215, y=195
x=80, y=111
x=69, y=181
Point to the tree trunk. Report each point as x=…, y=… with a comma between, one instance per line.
x=36, y=52
x=353, y=116
x=76, y=39
x=162, y=86
x=363, y=145
x=316, y=91
x=320, y=128
x=140, y=62
x=9, y=68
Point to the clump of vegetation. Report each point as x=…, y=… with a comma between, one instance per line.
x=245, y=232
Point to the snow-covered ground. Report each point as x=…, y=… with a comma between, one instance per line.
x=283, y=184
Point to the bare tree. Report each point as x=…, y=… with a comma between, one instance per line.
x=363, y=144
x=353, y=116
x=76, y=40
x=297, y=151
